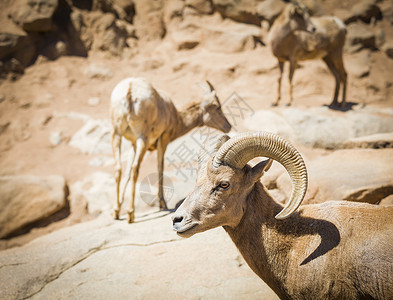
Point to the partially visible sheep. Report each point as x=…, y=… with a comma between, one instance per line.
x=295, y=36
x=333, y=250
x=150, y=121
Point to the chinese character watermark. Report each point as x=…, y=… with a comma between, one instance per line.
x=183, y=159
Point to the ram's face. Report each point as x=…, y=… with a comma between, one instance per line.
x=218, y=198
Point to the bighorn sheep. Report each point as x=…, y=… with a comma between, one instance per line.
x=295, y=36
x=333, y=250
x=150, y=121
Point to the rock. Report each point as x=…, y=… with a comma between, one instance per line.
x=270, y=121
x=149, y=20
x=269, y=10
x=28, y=199
x=366, y=11
x=358, y=64
x=55, y=138
x=230, y=37
x=18, y=46
x=376, y=141
x=388, y=49
x=340, y=176
x=103, y=259
x=98, y=71
x=320, y=127
x=201, y=6
x=187, y=37
x=98, y=190
x=109, y=36
x=360, y=36
x=124, y=9
x=93, y=138
x=388, y=201
x=243, y=11
x=34, y=16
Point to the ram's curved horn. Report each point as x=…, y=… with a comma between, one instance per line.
x=238, y=151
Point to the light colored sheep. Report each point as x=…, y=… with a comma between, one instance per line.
x=333, y=250
x=295, y=36
x=150, y=121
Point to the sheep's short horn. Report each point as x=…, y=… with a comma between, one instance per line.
x=238, y=151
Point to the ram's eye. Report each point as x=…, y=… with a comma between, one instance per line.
x=224, y=185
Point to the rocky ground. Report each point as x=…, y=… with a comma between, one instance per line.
x=58, y=239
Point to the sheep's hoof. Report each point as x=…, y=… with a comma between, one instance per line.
x=163, y=205
x=116, y=214
x=130, y=217
x=289, y=104
x=274, y=104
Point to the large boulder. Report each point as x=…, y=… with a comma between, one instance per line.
x=149, y=19
x=18, y=46
x=321, y=127
x=243, y=11
x=376, y=141
x=361, y=175
x=27, y=199
x=34, y=16
x=354, y=175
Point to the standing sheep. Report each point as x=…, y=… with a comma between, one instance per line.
x=295, y=36
x=150, y=121
x=333, y=250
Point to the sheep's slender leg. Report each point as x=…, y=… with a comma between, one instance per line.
x=292, y=68
x=128, y=168
x=343, y=78
x=116, y=148
x=336, y=75
x=281, y=68
x=140, y=151
x=160, y=160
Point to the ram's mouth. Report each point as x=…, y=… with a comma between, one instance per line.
x=184, y=230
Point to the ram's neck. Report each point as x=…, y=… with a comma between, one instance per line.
x=259, y=240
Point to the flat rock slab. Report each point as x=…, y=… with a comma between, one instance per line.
x=321, y=127
x=106, y=259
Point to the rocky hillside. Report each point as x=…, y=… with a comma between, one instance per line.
x=59, y=61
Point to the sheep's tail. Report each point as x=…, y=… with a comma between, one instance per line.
x=129, y=98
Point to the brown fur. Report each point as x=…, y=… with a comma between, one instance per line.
x=333, y=250
x=295, y=36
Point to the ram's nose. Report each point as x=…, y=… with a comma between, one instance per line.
x=177, y=221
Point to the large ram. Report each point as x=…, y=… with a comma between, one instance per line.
x=333, y=250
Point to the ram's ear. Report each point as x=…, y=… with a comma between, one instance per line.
x=260, y=168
